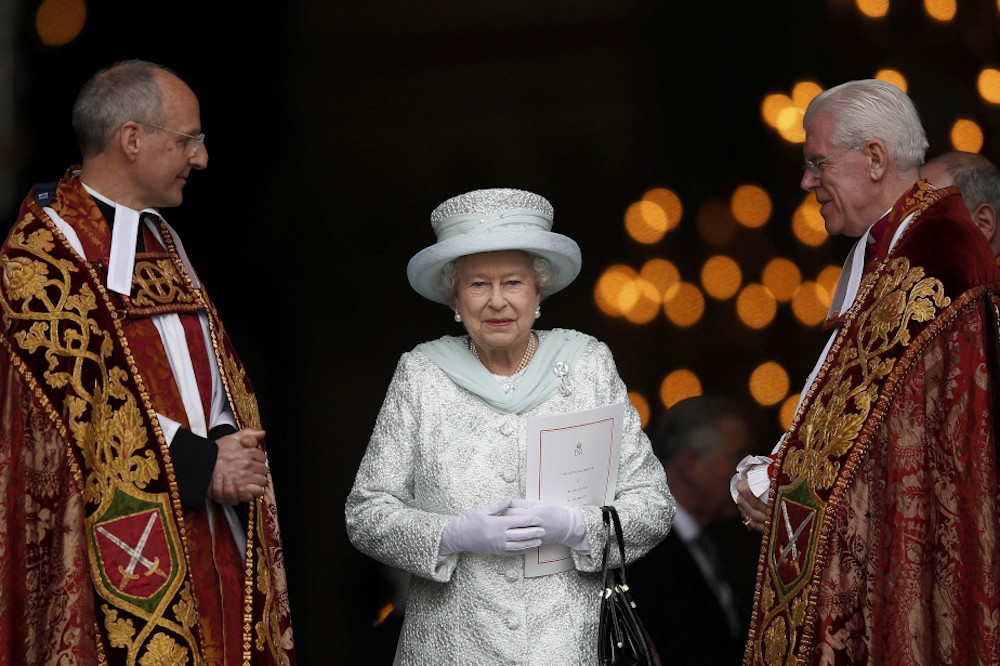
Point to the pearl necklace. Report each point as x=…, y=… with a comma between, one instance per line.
x=529, y=352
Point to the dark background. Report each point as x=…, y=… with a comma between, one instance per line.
x=335, y=128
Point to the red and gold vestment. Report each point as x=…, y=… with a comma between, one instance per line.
x=880, y=545
x=99, y=562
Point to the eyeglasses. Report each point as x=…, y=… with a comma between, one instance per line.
x=196, y=141
x=814, y=167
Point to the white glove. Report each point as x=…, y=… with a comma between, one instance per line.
x=484, y=530
x=563, y=524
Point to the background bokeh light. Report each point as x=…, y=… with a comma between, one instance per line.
x=721, y=277
x=751, y=206
x=685, y=304
x=988, y=85
x=967, y=135
x=59, y=22
x=769, y=383
x=678, y=385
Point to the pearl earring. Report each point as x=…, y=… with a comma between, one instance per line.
x=538, y=312
x=458, y=316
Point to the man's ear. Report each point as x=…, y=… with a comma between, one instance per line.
x=985, y=217
x=130, y=140
x=878, y=159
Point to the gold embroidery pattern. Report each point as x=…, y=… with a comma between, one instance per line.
x=831, y=425
x=55, y=314
x=830, y=428
x=158, y=283
x=111, y=440
x=164, y=651
x=234, y=376
x=267, y=629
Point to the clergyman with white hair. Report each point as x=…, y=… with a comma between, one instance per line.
x=879, y=504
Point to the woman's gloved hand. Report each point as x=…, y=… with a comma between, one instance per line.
x=486, y=530
x=562, y=524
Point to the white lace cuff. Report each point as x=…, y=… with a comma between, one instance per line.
x=754, y=470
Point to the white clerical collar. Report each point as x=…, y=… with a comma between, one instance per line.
x=124, y=235
x=854, y=269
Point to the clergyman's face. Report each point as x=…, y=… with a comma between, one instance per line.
x=842, y=187
x=166, y=159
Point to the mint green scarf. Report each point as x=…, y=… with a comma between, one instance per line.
x=541, y=378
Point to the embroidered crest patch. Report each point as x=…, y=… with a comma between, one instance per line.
x=798, y=511
x=135, y=551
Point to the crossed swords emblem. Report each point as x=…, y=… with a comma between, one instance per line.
x=793, y=536
x=135, y=555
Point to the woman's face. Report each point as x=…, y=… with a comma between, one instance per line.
x=497, y=296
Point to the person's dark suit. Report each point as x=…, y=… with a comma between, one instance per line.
x=679, y=609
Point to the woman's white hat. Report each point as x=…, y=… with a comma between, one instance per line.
x=488, y=221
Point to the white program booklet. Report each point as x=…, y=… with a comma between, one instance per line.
x=572, y=461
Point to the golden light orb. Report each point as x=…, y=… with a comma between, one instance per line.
x=59, y=22
x=790, y=124
x=811, y=303
x=803, y=93
x=941, y=10
x=751, y=206
x=721, y=277
x=677, y=386
x=828, y=279
x=756, y=306
x=873, y=8
x=782, y=277
x=787, y=411
x=615, y=292
x=645, y=222
x=773, y=105
x=641, y=405
x=669, y=202
x=988, y=85
x=769, y=384
x=647, y=305
x=684, y=305
x=967, y=135
x=662, y=274
x=807, y=223
x=893, y=77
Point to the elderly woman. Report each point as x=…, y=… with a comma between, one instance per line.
x=440, y=490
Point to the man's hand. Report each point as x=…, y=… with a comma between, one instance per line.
x=753, y=510
x=241, y=468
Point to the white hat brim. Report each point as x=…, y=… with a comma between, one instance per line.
x=424, y=269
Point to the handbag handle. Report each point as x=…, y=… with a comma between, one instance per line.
x=610, y=515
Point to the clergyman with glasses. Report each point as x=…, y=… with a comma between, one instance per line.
x=878, y=505
x=137, y=515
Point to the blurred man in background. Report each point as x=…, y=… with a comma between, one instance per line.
x=978, y=179
x=689, y=587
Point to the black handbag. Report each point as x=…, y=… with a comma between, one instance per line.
x=622, y=640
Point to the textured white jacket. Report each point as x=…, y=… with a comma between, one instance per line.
x=436, y=451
